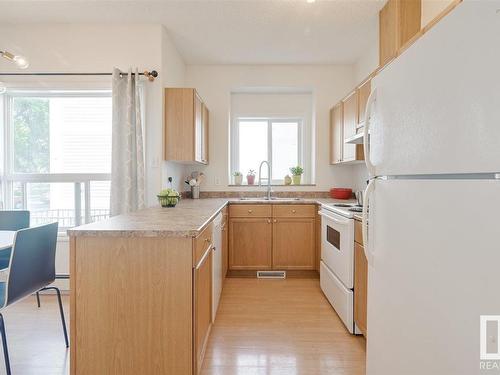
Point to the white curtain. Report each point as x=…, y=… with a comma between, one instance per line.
x=127, y=162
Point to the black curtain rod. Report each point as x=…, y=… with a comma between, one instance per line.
x=152, y=73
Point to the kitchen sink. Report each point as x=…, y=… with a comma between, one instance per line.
x=272, y=198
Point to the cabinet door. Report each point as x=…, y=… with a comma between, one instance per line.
x=350, y=122
x=294, y=244
x=250, y=243
x=198, y=129
x=363, y=94
x=360, y=287
x=204, y=136
x=388, y=32
x=336, y=136
x=202, y=306
x=225, y=247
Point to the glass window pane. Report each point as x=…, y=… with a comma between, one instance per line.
x=252, y=144
x=285, y=139
x=99, y=200
x=49, y=202
x=62, y=134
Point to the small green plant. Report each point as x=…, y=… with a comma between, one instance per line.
x=236, y=174
x=297, y=171
x=251, y=172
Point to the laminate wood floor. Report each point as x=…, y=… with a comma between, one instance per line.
x=280, y=327
x=271, y=327
x=35, y=337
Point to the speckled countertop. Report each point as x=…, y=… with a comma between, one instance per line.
x=187, y=219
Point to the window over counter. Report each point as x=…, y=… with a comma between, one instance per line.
x=275, y=127
x=56, y=159
x=278, y=141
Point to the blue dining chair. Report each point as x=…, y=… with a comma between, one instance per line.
x=31, y=269
x=12, y=220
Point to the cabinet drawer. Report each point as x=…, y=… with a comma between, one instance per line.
x=358, y=232
x=294, y=210
x=250, y=210
x=201, y=243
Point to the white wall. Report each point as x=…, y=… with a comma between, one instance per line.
x=174, y=75
x=215, y=83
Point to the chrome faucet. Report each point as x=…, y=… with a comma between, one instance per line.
x=268, y=196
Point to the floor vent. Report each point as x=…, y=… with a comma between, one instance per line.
x=271, y=274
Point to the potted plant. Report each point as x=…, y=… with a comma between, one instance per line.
x=251, y=177
x=296, y=174
x=168, y=197
x=238, y=178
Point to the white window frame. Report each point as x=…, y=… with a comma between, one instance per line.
x=235, y=147
x=7, y=175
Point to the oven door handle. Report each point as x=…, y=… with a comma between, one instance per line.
x=341, y=222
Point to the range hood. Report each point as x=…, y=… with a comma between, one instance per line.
x=356, y=139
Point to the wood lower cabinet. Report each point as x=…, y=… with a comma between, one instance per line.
x=250, y=243
x=285, y=240
x=294, y=244
x=360, y=281
x=225, y=242
x=202, y=303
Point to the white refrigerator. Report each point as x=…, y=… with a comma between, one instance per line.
x=432, y=206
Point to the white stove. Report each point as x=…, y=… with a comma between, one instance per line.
x=337, y=259
x=347, y=210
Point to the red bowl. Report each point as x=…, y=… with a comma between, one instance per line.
x=340, y=193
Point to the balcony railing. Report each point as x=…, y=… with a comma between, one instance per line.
x=82, y=212
x=65, y=218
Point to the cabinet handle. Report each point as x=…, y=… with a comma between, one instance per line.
x=275, y=221
x=269, y=221
x=250, y=211
x=294, y=211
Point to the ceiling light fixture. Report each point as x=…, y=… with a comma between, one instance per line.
x=21, y=61
x=311, y=1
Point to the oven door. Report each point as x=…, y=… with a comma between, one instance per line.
x=337, y=246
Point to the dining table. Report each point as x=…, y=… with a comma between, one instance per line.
x=6, y=239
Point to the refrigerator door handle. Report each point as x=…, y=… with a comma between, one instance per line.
x=366, y=240
x=366, y=132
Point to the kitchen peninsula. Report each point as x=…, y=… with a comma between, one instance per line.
x=141, y=285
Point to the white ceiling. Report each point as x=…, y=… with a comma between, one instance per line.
x=229, y=32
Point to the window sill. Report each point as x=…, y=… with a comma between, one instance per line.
x=264, y=185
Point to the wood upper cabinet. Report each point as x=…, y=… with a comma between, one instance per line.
x=186, y=126
x=360, y=280
x=250, y=243
x=363, y=93
x=294, y=244
x=399, y=21
x=204, y=133
x=202, y=297
x=350, y=116
x=336, y=134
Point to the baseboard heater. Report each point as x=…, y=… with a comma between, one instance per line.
x=271, y=274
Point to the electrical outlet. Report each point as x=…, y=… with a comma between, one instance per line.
x=216, y=180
